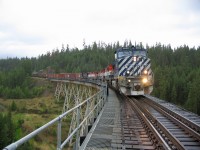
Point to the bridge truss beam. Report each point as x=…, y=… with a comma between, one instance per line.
x=72, y=95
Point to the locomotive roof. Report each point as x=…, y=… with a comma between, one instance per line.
x=133, y=48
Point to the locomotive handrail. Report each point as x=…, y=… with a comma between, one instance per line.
x=102, y=94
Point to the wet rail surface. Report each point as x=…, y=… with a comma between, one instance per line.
x=190, y=119
x=134, y=132
x=176, y=132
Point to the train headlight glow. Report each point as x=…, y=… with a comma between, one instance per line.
x=134, y=58
x=129, y=80
x=145, y=71
x=144, y=80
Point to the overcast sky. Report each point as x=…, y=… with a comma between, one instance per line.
x=33, y=27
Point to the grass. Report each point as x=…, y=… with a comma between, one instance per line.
x=37, y=112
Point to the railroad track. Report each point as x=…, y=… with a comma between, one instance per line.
x=137, y=132
x=190, y=119
x=176, y=131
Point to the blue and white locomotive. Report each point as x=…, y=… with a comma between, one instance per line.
x=132, y=71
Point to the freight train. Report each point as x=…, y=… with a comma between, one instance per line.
x=130, y=73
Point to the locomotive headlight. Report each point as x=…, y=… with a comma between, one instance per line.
x=134, y=58
x=144, y=80
x=145, y=71
x=129, y=80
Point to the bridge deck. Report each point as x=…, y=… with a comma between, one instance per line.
x=106, y=132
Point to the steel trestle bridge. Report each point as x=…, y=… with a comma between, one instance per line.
x=103, y=118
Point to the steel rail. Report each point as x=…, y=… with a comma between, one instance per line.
x=156, y=139
x=180, y=124
x=155, y=121
x=161, y=141
x=188, y=122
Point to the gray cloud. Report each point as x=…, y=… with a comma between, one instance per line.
x=12, y=35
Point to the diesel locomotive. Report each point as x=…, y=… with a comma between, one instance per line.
x=132, y=71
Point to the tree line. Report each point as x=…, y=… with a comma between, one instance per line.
x=176, y=71
x=17, y=84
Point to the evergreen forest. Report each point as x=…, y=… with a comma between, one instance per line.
x=176, y=73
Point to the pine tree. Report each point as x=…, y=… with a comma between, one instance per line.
x=174, y=94
x=13, y=106
x=10, y=126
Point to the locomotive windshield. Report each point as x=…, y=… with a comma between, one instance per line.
x=124, y=53
x=140, y=53
x=132, y=53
